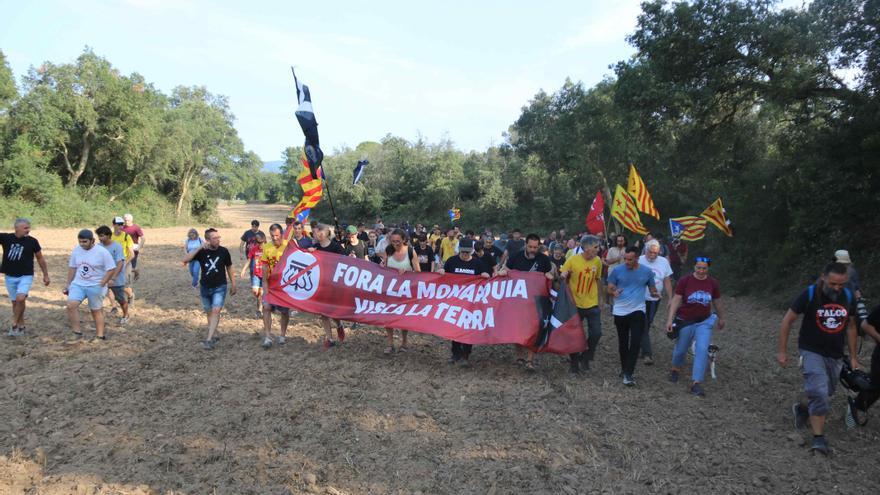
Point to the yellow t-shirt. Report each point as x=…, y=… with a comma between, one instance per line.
x=126, y=242
x=584, y=280
x=271, y=255
x=447, y=248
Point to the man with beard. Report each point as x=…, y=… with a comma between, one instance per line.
x=829, y=312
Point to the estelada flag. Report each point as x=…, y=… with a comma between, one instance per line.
x=596, y=218
x=624, y=210
x=313, y=190
x=636, y=187
x=687, y=228
x=454, y=214
x=562, y=329
x=717, y=216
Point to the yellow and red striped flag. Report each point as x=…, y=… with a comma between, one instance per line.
x=313, y=190
x=717, y=216
x=688, y=228
x=636, y=187
x=624, y=209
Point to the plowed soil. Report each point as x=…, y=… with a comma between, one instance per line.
x=148, y=411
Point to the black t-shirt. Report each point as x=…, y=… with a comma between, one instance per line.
x=213, y=265
x=18, y=255
x=471, y=267
x=540, y=263
x=823, y=327
x=363, y=237
x=373, y=254
x=514, y=247
x=426, y=257
x=333, y=247
x=360, y=250
x=250, y=238
x=487, y=259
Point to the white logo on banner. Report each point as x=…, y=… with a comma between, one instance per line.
x=301, y=275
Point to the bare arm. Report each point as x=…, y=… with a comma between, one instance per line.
x=231, y=274
x=719, y=310
x=784, y=330
x=852, y=339
x=43, y=267
x=192, y=254
x=871, y=331
x=71, y=273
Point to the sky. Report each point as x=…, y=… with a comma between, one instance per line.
x=441, y=70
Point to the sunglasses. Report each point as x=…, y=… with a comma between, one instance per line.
x=703, y=259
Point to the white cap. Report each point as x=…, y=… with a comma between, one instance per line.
x=118, y=221
x=842, y=256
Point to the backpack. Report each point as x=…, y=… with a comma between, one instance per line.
x=811, y=291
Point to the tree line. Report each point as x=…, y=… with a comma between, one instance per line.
x=775, y=110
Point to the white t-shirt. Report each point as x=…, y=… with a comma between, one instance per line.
x=661, y=270
x=91, y=265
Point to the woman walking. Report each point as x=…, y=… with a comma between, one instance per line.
x=401, y=257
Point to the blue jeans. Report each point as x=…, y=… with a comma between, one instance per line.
x=194, y=271
x=213, y=297
x=650, y=313
x=701, y=333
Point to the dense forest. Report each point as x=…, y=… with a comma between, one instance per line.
x=777, y=111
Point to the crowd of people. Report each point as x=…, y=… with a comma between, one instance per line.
x=628, y=280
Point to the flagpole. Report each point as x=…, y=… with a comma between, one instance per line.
x=332, y=208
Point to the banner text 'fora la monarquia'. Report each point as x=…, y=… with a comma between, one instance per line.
x=468, y=309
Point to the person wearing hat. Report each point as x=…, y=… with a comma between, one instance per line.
x=464, y=263
x=842, y=256
x=89, y=271
x=353, y=246
x=127, y=242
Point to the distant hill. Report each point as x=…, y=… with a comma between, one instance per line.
x=273, y=166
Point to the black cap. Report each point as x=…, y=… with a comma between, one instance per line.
x=466, y=245
x=85, y=234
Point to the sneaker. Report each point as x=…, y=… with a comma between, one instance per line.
x=585, y=363
x=208, y=345
x=464, y=363
x=13, y=332
x=801, y=416
x=21, y=332
x=123, y=321
x=258, y=314
x=649, y=361
x=853, y=416
x=673, y=376
x=328, y=344
x=340, y=334
x=451, y=361
x=697, y=390
x=820, y=445
x=628, y=380
x=267, y=343
x=215, y=339
x=281, y=340
x=114, y=311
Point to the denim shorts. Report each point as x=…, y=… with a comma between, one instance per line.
x=18, y=285
x=94, y=293
x=256, y=282
x=212, y=297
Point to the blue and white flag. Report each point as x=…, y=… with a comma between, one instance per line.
x=359, y=170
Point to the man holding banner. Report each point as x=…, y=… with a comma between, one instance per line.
x=583, y=274
x=464, y=263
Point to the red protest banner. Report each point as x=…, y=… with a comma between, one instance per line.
x=468, y=309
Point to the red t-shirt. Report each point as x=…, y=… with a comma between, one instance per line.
x=135, y=231
x=696, y=297
x=254, y=254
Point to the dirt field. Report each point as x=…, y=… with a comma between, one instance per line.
x=149, y=411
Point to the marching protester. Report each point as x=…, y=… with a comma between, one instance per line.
x=19, y=251
x=89, y=271
x=627, y=284
x=401, y=257
x=464, y=263
x=528, y=260
x=193, y=242
x=857, y=406
x=255, y=269
x=425, y=253
x=557, y=257
x=248, y=239
x=137, y=235
x=663, y=283
x=270, y=253
x=299, y=238
x=691, y=317
x=117, y=281
x=514, y=245
x=583, y=274
x=828, y=311
x=324, y=242
x=373, y=248
x=215, y=264
x=354, y=247
x=448, y=245
x=127, y=242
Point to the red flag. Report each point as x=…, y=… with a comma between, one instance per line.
x=596, y=217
